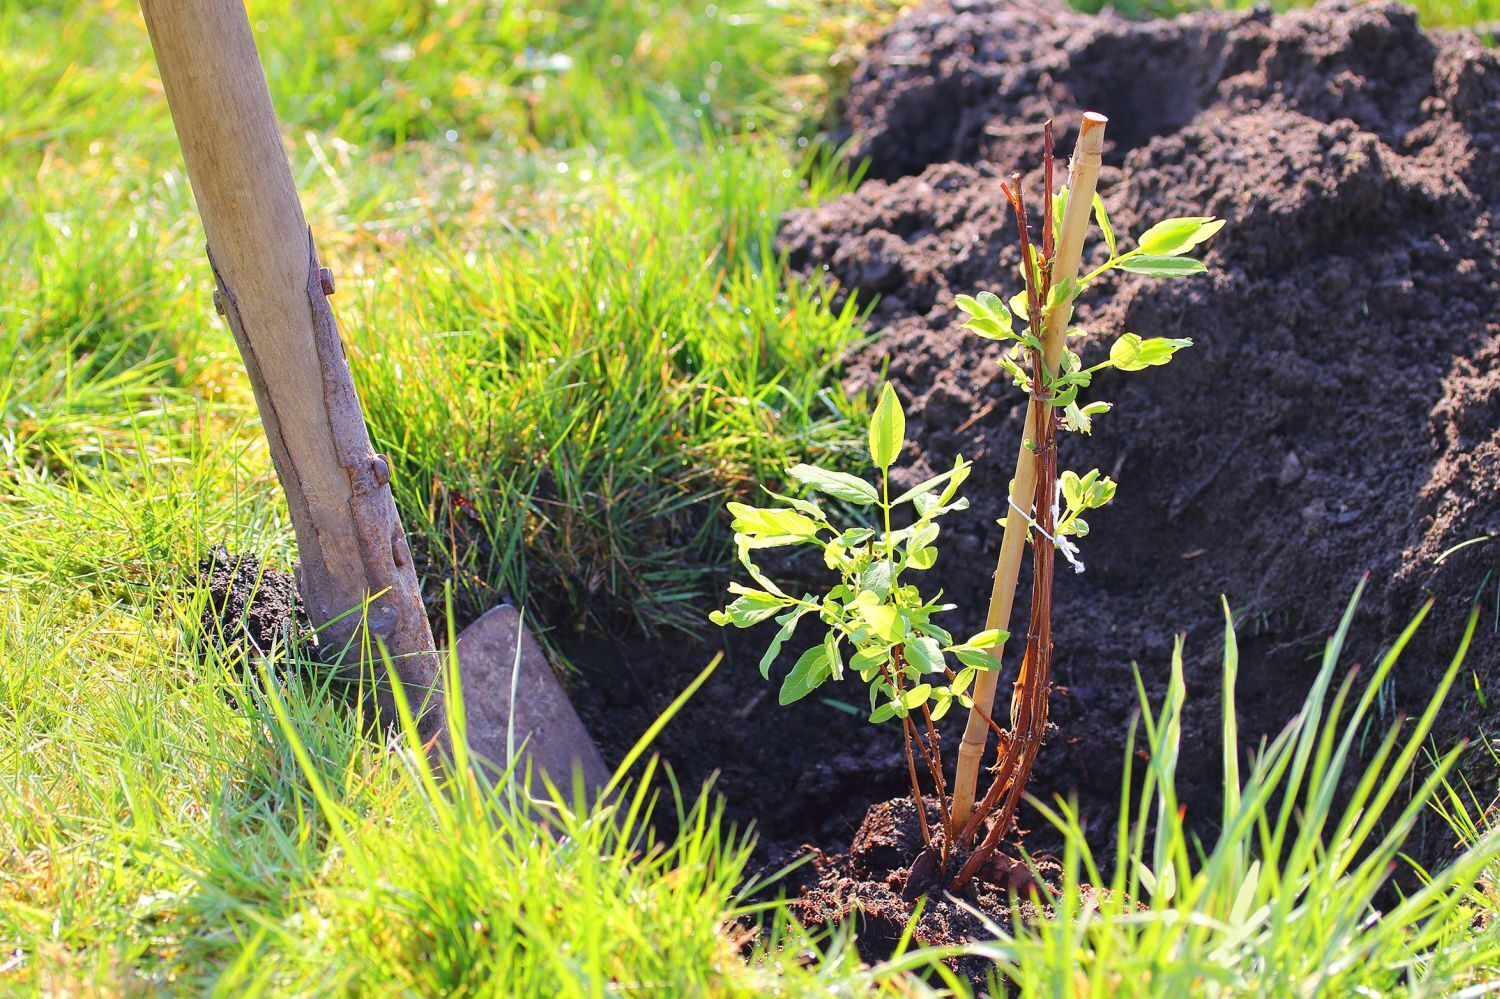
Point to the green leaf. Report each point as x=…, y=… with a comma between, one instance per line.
x=1102, y=217
x=943, y=704
x=788, y=624
x=751, y=608
x=885, y=712
x=1131, y=353
x=925, y=655
x=930, y=506
x=771, y=522
x=1072, y=489
x=1059, y=209
x=1062, y=294
x=923, y=533
x=885, y=621
x=1017, y=374
x=933, y=631
x=855, y=536
x=1162, y=266
x=987, y=639
x=801, y=506
x=887, y=429
x=834, y=656
x=962, y=680
x=806, y=676
x=922, y=558
x=977, y=658
x=1019, y=305
x=960, y=470
x=839, y=485
x=1100, y=493
x=988, y=316
x=742, y=546
x=878, y=578
x=1170, y=237
x=916, y=696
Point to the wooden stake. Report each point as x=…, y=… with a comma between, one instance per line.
x=1083, y=175
x=355, y=575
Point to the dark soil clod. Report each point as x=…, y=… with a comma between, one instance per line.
x=250, y=608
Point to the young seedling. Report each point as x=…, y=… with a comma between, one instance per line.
x=876, y=622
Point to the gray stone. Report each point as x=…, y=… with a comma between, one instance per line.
x=1291, y=470
x=547, y=729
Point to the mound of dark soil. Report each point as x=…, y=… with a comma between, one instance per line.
x=869, y=886
x=1339, y=414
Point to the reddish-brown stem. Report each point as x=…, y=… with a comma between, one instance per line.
x=916, y=788
x=987, y=719
x=1049, y=235
x=892, y=672
x=935, y=761
x=1005, y=762
x=1018, y=208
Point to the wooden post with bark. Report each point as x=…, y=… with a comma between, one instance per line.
x=355, y=576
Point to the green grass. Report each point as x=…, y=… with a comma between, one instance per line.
x=569, y=338
x=551, y=231
x=1295, y=895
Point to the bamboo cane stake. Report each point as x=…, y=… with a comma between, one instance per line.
x=355, y=574
x=1083, y=175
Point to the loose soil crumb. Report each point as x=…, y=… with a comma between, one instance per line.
x=866, y=885
x=250, y=608
x=1340, y=412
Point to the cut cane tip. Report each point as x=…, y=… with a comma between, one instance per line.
x=1091, y=132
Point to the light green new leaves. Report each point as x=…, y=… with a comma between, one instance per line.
x=1131, y=353
x=887, y=429
x=916, y=696
x=976, y=655
x=788, y=622
x=1086, y=492
x=988, y=316
x=1080, y=494
x=1170, y=237
x=839, y=485
x=1159, y=251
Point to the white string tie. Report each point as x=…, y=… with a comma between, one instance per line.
x=1068, y=548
